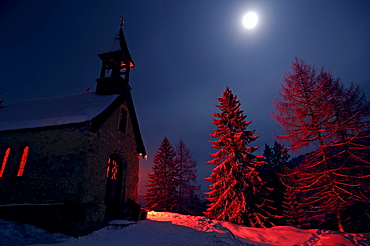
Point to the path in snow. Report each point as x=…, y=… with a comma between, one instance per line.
x=153, y=233
x=162, y=229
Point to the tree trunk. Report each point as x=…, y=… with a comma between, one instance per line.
x=340, y=221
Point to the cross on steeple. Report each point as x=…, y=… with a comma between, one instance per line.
x=122, y=22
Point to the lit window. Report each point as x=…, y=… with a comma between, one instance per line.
x=122, y=125
x=112, y=169
x=23, y=161
x=3, y=164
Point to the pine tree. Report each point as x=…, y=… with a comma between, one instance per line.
x=275, y=159
x=161, y=193
x=237, y=189
x=188, y=199
x=313, y=108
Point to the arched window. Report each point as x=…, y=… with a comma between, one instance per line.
x=5, y=159
x=112, y=169
x=23, y=161
x=123, y=116
x=114, y=194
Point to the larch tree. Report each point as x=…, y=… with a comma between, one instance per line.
x=237, y=191
x=161, y=194
x=187, y=190
x=350, y=150
x=313, y=108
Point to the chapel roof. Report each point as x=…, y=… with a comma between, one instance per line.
x=53, y=111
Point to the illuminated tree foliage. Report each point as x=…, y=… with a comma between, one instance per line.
x=161, y=193
x=237, y=191
x=188, y=199
x=315, y=108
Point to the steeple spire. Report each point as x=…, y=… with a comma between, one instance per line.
x=116, y=65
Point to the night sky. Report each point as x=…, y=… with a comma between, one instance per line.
x=185, y=52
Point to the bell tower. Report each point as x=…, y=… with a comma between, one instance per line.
x=116, y=65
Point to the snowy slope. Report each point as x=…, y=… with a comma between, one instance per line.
x=164, y=229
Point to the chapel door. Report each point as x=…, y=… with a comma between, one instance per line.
x=114, y=187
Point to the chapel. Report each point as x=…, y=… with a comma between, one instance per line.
x=70, y=164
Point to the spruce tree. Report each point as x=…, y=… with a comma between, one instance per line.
x=188, y=198
x=161, y=193
x=237, y=191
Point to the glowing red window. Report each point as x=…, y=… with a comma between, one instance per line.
x=3, y=164
x=112, y=169
x=23, y=161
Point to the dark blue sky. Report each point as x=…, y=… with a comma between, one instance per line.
x=186, y=52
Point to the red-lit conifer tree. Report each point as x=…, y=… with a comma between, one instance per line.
x=315, y=108
x=188, y=198
x=161, y=193
x=237, y=191
x=349, y=150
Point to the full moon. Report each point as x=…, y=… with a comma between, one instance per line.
x=250, y=20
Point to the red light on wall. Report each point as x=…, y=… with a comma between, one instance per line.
x=23, y=161
x=6, y=156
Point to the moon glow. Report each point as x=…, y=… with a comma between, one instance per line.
x=250, y=20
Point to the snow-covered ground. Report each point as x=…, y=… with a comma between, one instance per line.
x=164, y=229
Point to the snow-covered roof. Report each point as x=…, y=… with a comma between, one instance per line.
x=53, y=111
